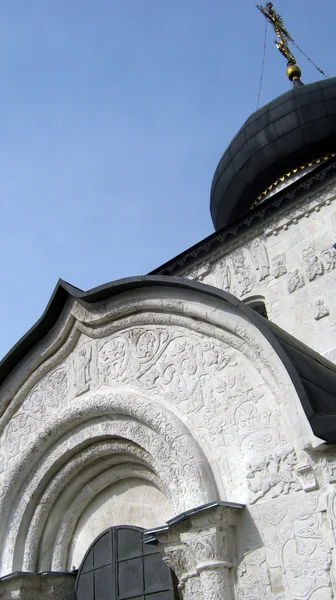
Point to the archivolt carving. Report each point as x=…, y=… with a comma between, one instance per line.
x=215, y=326
x=186, y=372
x=174, y=455
x=174, y=385
x=46, y=399
x=64, y=487
x=72, y=514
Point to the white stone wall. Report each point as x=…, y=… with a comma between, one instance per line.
x=29, y=586
x=166, y=400
x=290, y=262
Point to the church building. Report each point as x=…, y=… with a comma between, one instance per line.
x=174, y=435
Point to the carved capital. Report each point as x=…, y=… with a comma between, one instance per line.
x=198, y=547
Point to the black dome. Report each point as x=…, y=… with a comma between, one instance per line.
x=296, y=127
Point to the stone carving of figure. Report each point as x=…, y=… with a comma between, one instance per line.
x=238, y=260
x=245, y=280
x=275, y=474
x=260, y=259
x=279, y=266
x=198, y=273
x=314, y=268
x=262, y=477
x=226, y=278
x=295, y=281
x=320, y=310
x=329, y=256
x=82, y=366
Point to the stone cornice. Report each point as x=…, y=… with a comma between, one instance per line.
x=252, y=223
x=288, y=216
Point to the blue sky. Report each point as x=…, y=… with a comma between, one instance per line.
x=114, y=114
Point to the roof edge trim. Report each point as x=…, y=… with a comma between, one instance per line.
x=63, y=291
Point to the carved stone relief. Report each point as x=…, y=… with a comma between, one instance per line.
x=312, y=264
x=329, y=258
x=237, y=273
x=175, y=457
x=56, y=391
x=320, y=310
x=46, y=399
x=306, y=558
x=279, y=266
x=246, y=281
x=306, y=476
x=273, y=476
x=201, y=552
x=83, y=367
x=327, y=466
x=253, y=577
x=238, y=258
x=198, y=273
x=240, y=271
x=297, y=550
x=332, y=514
x=183, y=368
x=295, y=281
x=185, y=399
x=31, y=586
x=226, y=277
x=221, y=275
x=242, y=268
x=21, y=431
x=157, y=360
x=260, y=258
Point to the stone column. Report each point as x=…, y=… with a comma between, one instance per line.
x=199, y=547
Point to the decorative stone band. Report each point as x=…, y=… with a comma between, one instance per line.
x=290, y=177
x=198, y=546
x=215, y=564
x=23, y=585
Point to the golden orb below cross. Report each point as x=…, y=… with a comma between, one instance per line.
x=293, y=71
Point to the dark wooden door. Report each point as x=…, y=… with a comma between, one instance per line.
x=119, y=566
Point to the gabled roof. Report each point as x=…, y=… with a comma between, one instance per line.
x=313, y=377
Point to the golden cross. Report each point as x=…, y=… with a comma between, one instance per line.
x=282, y=34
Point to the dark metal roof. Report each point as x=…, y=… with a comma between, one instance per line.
x=149, y=535
x=295, y=127
x=313, y=377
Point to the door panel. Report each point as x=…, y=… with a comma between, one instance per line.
x=119, y=566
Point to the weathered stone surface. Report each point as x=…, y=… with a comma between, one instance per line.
x=162, y=394
x=201, y=552
x=290, y=262
x=29, y=586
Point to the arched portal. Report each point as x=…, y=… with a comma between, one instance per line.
x=139, y=409
x=119, y=565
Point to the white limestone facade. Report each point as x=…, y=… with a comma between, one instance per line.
x=289, y=262
x=160, y=400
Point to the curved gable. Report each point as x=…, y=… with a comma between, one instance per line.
x=147, y=388
x=314, y=377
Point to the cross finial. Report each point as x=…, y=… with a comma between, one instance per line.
x=282, y=43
